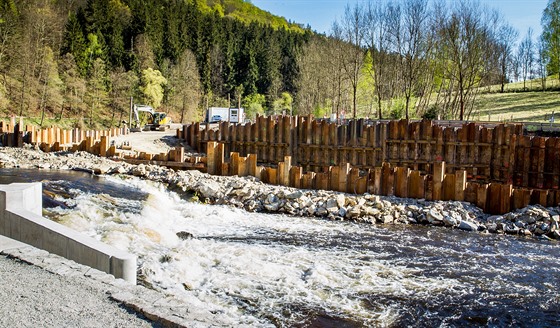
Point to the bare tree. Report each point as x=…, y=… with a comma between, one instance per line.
x=313, y=83
x=542, y=61
x=338, y=80
x=414, y=49
x=465, y=39
x=185, y=84
x=123, y=85
x=353, y=32
x=526, y=55
x=505, y=44
x=378, y=41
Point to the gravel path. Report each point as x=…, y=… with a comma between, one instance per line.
x=33, y=297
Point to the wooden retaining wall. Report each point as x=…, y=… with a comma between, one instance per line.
x=386, y=180
x=487, y=152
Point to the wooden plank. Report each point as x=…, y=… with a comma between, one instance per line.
x=252, y=165
x=103, y=146
x=234, y=163
x=494, y=199
x=460, y=184
x=414, y=184
x=296, y=176
x=352, y=185
x=449, y=140
x=448, y=190
x=322, y=180
x=375, y=187
x=308, y=180
x=401, y=183
x=388, y=179
x=211, y=161
x=361, y=185
x=272, y=174
x=470, y=192
x=242, y=168
x=521, y=198
x=438, y=176
x=539, y=197
x=334, y=178
x=481, y=196
x=343, y=177
x=505, y=198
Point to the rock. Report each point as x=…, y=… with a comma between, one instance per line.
x=271, y=198
x=332, y=205
x=273, y=207
x=321, y=211
x=434, y=216
x=468, y=226
x=340, y=200
x=184, y=235
x=294, y=195
x=354, y=212
x=209, y=189
x=311, y=210
x=385, y=219
x=449, y=221
x=236, y=184
x=139, y=170
x=342, y=212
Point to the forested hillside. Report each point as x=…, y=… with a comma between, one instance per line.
x=87, y=58
x=399, y=58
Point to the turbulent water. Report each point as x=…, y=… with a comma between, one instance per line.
x=271, y=270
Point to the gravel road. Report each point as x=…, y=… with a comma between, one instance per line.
x=33, y=297
x=153, y=142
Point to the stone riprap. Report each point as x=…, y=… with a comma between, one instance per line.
x=251, y=194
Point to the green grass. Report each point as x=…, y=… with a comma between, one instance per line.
x=530, y=106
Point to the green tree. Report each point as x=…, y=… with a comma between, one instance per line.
x=551, y=35
x=74, y=85
x=254, y=104
x=185, y=86
x=51, y=84
x=283, y=105
x=151, y=87
x=123, y=85
x=96, y=88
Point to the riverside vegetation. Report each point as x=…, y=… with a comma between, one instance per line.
x=252, y=195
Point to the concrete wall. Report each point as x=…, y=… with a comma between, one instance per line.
x=21, y=219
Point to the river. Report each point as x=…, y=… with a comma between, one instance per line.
x=264, y=270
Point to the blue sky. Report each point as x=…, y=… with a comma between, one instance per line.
x=320, y=15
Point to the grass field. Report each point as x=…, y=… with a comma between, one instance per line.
x=515, y=104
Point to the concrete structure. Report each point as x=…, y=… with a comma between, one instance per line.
x=21, y=219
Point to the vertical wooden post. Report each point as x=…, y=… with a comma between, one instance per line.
x=211, y=167
x=343, y=177
x=460, y=184
x=103, y=146
x=252, y=165
x=234, y=163
x=448, y=190
x=439, y=175
x=401, y=189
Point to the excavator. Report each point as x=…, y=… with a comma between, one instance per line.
x=151, y=120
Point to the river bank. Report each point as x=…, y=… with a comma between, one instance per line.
x=252, y=195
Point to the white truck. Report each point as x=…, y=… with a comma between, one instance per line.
x=232, y=115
